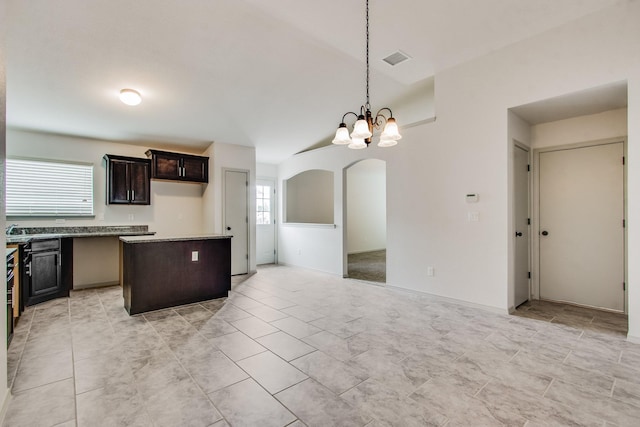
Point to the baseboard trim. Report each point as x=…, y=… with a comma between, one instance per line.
x=310, y=269
x=95, y=285
x=364, y=252
x=488, y=308
x=469, y=304
x=633, y=339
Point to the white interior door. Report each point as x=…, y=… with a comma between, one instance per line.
x=581, y=226
x=265, y=222
x=236, y=218
x=521, y=197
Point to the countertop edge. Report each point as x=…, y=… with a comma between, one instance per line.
x=153, y=239
x=26, y=238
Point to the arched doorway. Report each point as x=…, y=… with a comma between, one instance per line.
x=366, y=220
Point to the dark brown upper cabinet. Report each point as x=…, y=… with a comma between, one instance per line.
x=128, y=180
x=178, y=166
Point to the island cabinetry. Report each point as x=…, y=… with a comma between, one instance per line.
x=159, y=273
x=128, y=180
x=178, y=166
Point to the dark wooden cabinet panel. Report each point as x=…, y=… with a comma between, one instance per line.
x=45, y=276
x=128, y=180
x=117, y=182
x=163, y=274
x=140, y=181
x=166, y=166
x=178, y=166
x=45, y=273
x=195, y=169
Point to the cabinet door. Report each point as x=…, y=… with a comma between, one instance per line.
x=118, y=185
x=195, y=169
x=45, y=274
x=139, y=183
x=166, y=166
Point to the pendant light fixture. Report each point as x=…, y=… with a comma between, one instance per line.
x=362, y=132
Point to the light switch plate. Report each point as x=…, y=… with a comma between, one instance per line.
x=194, y=255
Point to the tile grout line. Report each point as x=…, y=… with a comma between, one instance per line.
x=73, y=363
x=128, y=361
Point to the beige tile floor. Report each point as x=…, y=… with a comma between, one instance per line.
x=294, y=347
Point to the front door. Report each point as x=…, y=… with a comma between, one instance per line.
x=265, y=222
x=521, y=197
x=236, y=218
x=581, y=226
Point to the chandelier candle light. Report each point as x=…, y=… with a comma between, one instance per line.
x=366, y=122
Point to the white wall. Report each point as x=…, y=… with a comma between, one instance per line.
x=309, y=197
x=265, y=170
x=366, y=206
x=468, y=150
x=221, y=157
x=176, y=208
x=593, y=127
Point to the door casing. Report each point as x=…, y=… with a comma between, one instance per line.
x=274, y=204
x=525, y=229
x=225, y=216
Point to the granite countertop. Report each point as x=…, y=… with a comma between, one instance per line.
x=26, y=235
x=152, y=239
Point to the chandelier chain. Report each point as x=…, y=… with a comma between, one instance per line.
x=368, y=106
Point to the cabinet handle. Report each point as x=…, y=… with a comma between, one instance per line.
x=128, y=195
x=28, y=272
x=133, y=195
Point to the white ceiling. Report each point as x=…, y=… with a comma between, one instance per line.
x=274, y=74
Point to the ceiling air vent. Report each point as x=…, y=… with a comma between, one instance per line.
x=396, y=58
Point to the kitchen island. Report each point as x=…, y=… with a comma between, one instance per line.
x=160, y=272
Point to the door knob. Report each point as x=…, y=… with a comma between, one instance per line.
x=228, y=228
x=545, y=233
x=518, y=233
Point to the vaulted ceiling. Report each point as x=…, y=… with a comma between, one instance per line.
x=273, y=74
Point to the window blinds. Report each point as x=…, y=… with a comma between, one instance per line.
x=49, y=188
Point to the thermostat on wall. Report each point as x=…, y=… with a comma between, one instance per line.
x=472, y=198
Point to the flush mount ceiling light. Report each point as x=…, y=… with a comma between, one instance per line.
x=366, y=121
x=130, y=97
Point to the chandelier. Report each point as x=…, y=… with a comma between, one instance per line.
x=366, y=122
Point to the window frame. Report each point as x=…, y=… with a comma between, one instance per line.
x=87, y=189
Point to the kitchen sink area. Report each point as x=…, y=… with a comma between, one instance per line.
x=43, y=259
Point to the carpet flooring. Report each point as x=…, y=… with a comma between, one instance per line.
x=369, y=266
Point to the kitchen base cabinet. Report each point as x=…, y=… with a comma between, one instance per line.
x=165, y=273
x=48, y=266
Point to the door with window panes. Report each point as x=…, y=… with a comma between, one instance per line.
x=265, y=222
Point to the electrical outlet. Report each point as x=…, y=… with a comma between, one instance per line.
x=101, y=216
x=131, y=217
x=473, y=216
x=60, y=221
x=194, y=256
x=430, y=271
